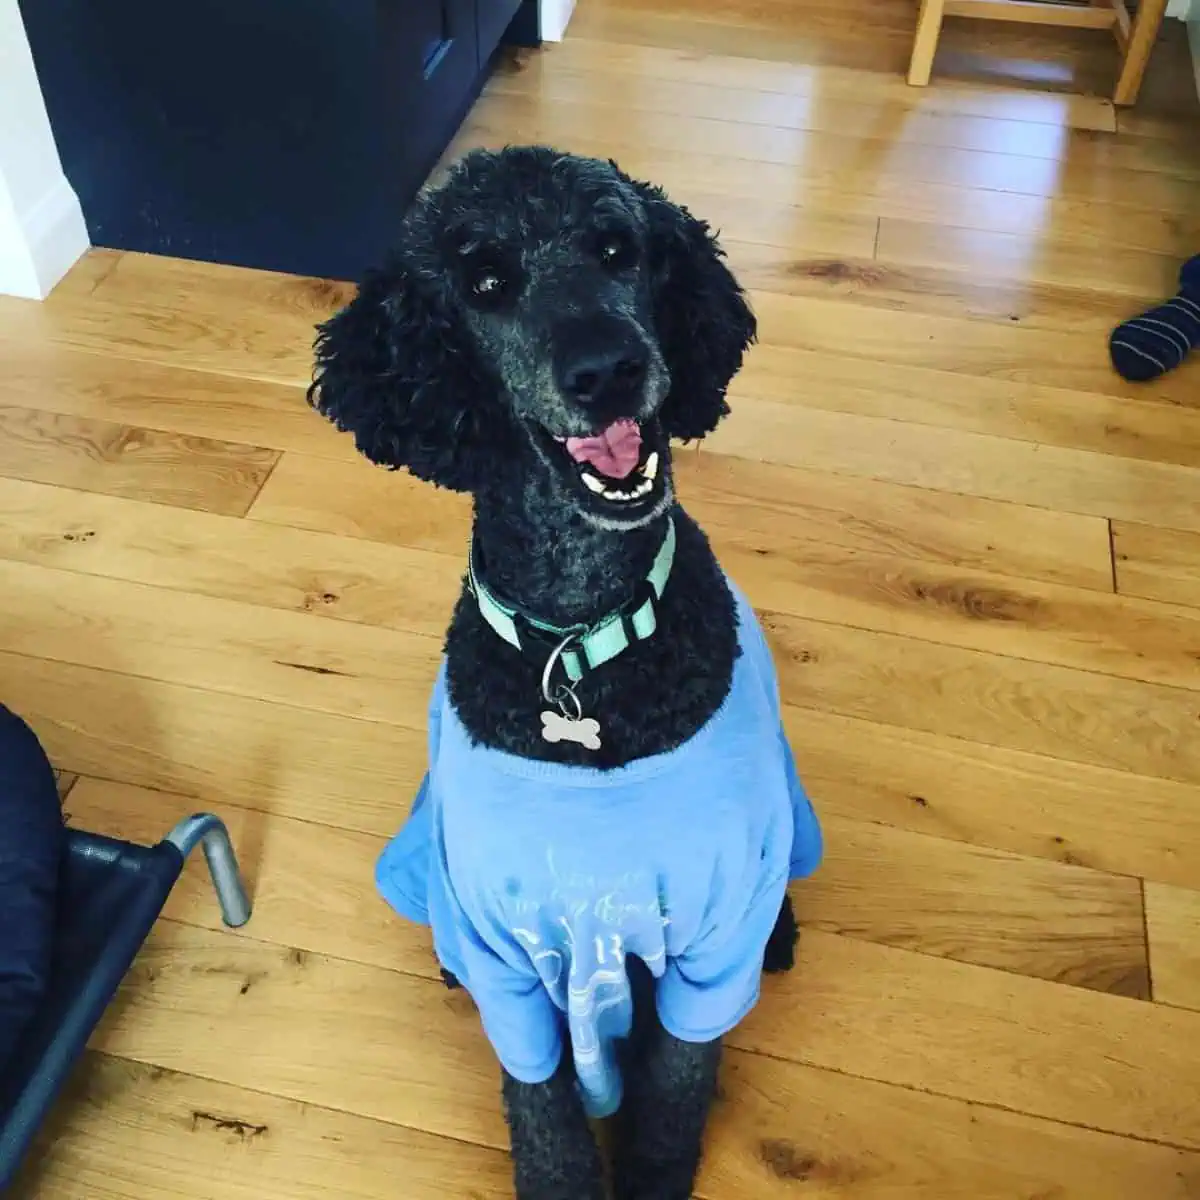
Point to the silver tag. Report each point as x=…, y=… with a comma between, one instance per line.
x=584, y=731
x=568, y=724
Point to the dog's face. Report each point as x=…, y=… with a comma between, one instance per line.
x=544, y=316
x=553, y=276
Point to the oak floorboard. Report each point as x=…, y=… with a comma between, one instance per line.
x=216, y=748
x=648, y=64
x=998, y=1038
x=290, y=658
x=126, y=1131
x=97, y=385
x=1157, y=563
x=210, y=555
x=1119, y=276
x=1040, y=622
x=857, y=159
x=1070, y=480
x=90, y=455
x=1105, y=721
x=1028, y=916
x=1172, y=919
x=992, y=796
x=1069, y=418
x=850, y=103
x=884, y=282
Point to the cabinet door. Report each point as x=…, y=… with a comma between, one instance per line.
x=431, y=78
x=433, y=26
x=492, y=18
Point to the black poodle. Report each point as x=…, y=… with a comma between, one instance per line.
x=545, y=329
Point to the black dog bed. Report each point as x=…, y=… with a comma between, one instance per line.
x=31, y=842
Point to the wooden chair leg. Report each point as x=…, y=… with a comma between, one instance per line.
x=929, y=29
x=1146, y=26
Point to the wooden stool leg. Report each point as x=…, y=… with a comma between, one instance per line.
x=1146, y=26
x=929, y=29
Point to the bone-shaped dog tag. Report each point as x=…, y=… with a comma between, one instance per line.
x=585, y=731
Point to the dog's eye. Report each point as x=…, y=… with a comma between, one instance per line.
x=616, y=250
x=488, y=284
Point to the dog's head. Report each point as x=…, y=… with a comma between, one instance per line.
x=543, y=315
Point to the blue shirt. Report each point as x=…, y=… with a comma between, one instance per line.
x=538, y=879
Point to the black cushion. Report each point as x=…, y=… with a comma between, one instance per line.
x=31, y=845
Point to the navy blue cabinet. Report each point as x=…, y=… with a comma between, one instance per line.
x=283, y=134
x=492, y=18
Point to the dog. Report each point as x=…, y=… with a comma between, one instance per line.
x=604, y=839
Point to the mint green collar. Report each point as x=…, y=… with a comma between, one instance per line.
x=583, y=647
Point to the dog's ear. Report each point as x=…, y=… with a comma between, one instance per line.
x=704, y=322
x=394, y=369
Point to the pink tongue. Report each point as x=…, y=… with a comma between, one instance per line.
x=613, y=452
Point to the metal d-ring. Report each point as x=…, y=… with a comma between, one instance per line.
x=562, y=696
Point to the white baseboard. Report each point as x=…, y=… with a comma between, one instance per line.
x=38, y=247
x=554, y=16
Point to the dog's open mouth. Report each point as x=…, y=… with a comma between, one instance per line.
x=622, y=464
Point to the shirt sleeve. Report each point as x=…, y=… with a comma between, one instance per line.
x=520, y=1020
x=708, y=989
x=808, y=845
x=402, y=872
x=807, y=842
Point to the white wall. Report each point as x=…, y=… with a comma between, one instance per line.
x=42, y=231
x=1189, y=11
x=554, y=17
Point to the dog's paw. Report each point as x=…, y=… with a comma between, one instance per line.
x=780, y=954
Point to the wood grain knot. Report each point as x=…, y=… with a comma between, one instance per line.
x=786, y=1160
x=833, y=270
x=976, y=603
x=324, y=294
x=320, y=600
x=244, y=1131
x=313, y=670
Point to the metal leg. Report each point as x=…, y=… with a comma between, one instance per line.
x=209, y=830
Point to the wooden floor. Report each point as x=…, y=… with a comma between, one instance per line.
x=976, y=549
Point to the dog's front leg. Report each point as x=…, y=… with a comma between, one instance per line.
x=554, y=1154
x=667, y=1097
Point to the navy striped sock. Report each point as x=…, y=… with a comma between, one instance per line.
x=1159, y=340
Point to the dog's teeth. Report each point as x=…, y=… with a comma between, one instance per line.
x=650, y=470
x=644, y=487
x=592, y=483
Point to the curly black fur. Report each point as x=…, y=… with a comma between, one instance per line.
x=450, y=362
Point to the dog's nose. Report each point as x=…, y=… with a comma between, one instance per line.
x=591, y=373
